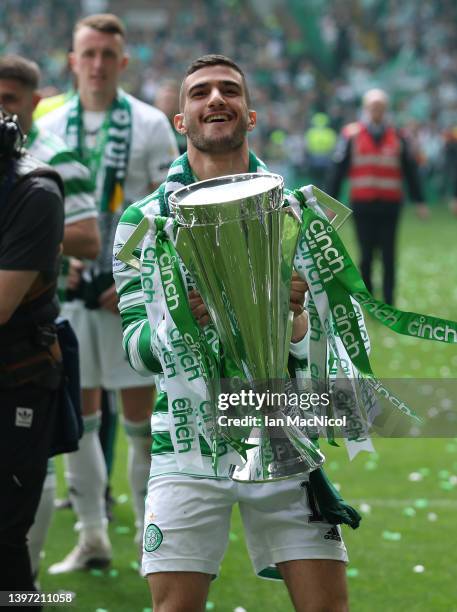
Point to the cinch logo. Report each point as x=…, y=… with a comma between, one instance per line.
x=382, y=312
x=181, y=409
x=314, y=322
x=420, y=329
x=343, y=323
x=147, y=273
x=328, y=261
x=166, y=272
x=184, y=354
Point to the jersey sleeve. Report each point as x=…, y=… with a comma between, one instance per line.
x=162, y=150
x=32, y=233
x=136, y=330
x=79, y=188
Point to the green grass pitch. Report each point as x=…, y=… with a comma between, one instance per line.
x=409, y=521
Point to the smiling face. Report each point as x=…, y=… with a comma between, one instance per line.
x=98, y=60
x=215, y=116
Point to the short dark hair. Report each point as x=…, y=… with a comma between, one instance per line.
x=102, y=22
x=18, y=68
x=213, y=59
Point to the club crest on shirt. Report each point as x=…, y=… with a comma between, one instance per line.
x=152, y=538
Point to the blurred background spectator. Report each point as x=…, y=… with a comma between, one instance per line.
x=301, y=58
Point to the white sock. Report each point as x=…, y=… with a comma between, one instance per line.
x=139, y=463
x=39, y=530
x=87, y=478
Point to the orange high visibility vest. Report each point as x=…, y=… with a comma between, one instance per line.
x=375, y=172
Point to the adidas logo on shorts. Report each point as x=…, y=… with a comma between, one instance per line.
x=333, y=534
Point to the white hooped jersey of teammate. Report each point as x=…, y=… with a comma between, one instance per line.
x=79, y=193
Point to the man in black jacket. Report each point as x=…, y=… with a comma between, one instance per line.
x=31, y=232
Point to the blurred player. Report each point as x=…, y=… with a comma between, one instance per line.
x=127, y=145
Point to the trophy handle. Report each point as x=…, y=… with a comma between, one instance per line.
x=126, y=253
x=342, y=212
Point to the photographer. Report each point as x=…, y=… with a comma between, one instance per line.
x=31, y=232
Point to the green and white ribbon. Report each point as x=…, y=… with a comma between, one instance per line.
x=188, y=355
x=342, y=283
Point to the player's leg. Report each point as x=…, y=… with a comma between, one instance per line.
x=179, y=591
x=316, y=585
x=301, y=547
x=137, y=404
x=186, y=528
x=36, y=537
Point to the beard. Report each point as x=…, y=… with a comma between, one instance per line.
x=218, y=144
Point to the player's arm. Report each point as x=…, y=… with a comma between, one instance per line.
x=135, y=325
x=82, y=239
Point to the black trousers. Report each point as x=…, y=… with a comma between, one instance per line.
x=27, y=417
x=376, y=225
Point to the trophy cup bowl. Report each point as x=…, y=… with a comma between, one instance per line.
x=238, y=243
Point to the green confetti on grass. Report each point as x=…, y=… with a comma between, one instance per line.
x=371, y=465
x=421, y=503
x=122, y=529
x=96, y=572
x=333, y=465
x=409, y=511
x=446, y=486
x=233, y=537
x=352, y=572
x=134, y=565
x=425, y=471
x=101, y=610
x=443, y=474
x=210, y=605
x=113, y=573
x=147, y=609
x=391, y=536
x=451, y=448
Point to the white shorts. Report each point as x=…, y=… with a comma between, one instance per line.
x=187, y=524
x=103, y=362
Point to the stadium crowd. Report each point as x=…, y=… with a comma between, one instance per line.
x=313, y=57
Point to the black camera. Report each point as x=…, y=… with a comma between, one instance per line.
x=11, y=137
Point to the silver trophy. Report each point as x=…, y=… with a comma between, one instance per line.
x=238, y=243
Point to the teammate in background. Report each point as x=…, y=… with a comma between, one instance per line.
x=127, y=145
x=376, y=159
x=19, y=81
x=188, y=511
x=31, y=216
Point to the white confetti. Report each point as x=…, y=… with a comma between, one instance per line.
x=419, y=569
x=365, y=508
x=432, y=517
x=415, y=477
x=239, y=609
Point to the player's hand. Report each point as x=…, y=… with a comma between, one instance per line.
x=298, y=288
x=198, y=308
x=109, y=299
x=423, y=212
x=75, y=268
x=453, y=206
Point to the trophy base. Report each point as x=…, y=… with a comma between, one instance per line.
x=280, y=461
